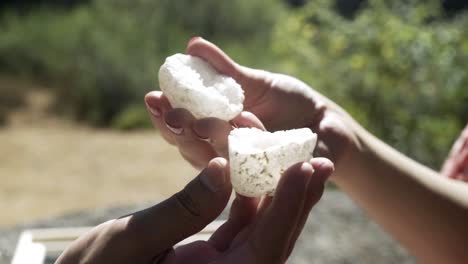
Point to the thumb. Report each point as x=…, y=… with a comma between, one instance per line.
x=255, y=83
x=162, y=226
x=211, y=53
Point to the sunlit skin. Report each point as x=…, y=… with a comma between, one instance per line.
x=265, y=94
x=257, y=231
x=427, y=213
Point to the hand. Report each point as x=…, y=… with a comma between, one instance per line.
x=256, y=232
x=456, y=164
x=273, y=101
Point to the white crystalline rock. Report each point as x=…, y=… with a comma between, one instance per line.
x=258, y=158
x=190, y=82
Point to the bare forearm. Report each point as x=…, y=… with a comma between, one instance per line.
x=427, y=213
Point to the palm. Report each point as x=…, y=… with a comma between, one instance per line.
x=202, y=252
x=283, y=102
x=238, y=240
x=277, y=102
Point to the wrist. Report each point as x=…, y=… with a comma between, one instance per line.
x=352, y=154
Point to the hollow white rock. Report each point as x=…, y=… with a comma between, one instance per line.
x=192, y=83
x=258, y=158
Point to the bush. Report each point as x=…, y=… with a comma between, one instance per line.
x=11, y=97
x=103, y=57
x=133, y=117
x=400, y=69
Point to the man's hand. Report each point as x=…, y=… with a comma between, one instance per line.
x=272, y=101
x=257, y=231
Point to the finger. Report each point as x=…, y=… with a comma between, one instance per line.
x=164, y=257
x=462, y=166
x=160, y=227
x=323, y=168
x=157, y=105
x=180, y=121
x=197, y=252
x=455, y=164
x=274, y=231
x=461, y=143
x=242, y=213
x=215, y=132
x=247, y=119
x=264, y=204
x=260, y=206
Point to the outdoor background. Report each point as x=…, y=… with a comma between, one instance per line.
x=74, y=131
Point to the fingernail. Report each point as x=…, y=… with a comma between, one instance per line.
x=193, y=39
x=307, y=167
x=322, y=162
x=196, y=131
x=209, y=140
x=233, y=124
x=212, y=178
x=154, y=110
x=206, y=139
x=175, y=130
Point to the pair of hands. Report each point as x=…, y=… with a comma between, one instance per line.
x=257, y=231
x=272, y=102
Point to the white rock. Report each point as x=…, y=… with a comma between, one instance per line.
x=258, y=158
x=190, y=82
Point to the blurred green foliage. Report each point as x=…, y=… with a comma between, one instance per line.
x=399, y=68
x=103, y=57
x=131, y=118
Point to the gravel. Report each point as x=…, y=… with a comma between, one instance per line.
x=337, y=232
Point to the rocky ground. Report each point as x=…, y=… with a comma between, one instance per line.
x=337, y=232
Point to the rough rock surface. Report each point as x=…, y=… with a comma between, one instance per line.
x=190, y=82
x=337, y=231
x=258, y=158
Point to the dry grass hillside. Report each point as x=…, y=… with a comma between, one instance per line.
x=50, y=166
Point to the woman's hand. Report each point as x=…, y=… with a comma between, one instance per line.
x=272, y=101
x=256, y=232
